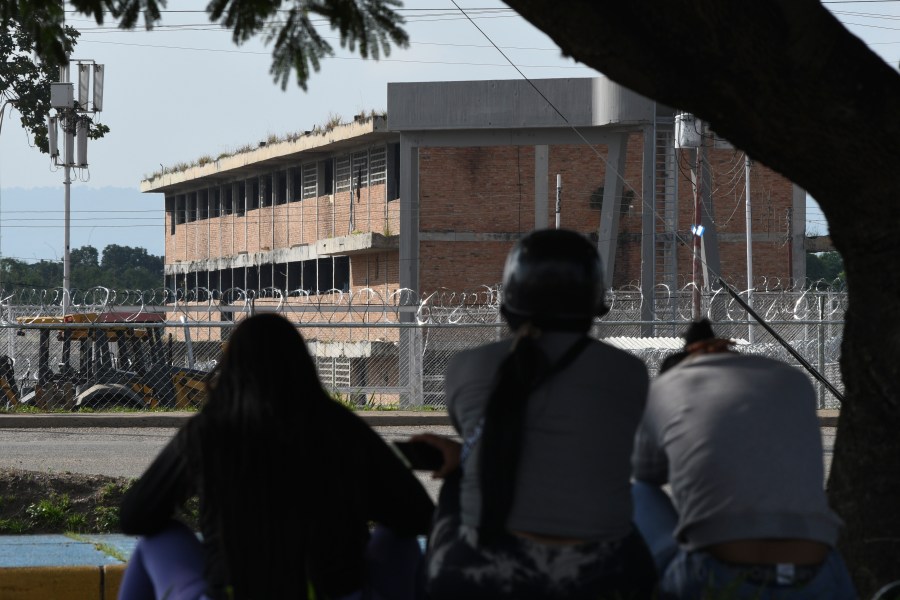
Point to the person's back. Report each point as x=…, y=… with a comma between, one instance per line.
x=737, y=438
x=288, y=483
x=535, y=504
x=576, y=439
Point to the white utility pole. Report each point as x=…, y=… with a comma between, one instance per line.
x=558, y=198
x=71, y=116
x=689, y=135
x=749, y=244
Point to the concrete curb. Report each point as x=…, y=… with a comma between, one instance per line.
x=68, y=583
x=174, y=420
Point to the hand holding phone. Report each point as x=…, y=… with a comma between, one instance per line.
x=421, y=456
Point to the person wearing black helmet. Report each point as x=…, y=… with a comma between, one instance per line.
x=536, y=500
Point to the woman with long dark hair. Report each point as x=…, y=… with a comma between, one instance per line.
x=289, y=483
x=535, y=502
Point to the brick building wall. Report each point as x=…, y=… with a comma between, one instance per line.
x=475, y=202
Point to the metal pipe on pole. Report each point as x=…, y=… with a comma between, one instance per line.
x=558, y=198
x=67, y=266
x=696, y=309
x=748, y=220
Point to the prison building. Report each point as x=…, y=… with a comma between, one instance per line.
x=391, y=209
x=433, y=194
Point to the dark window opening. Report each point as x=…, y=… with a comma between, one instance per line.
x=327, y=177
x=239, y=277
x=309, y=276
x=202, y=205
x=296, y=184
x=265, y=276
x=294, y=276
x=324, y=272
x=190, y=214
x=241, y=207
x=280, y=191
x=280, y=276
x=265, y=190
x=393, y=172
x=252, y=194
x=227, y=200
x=342, y=273
x=215, y=202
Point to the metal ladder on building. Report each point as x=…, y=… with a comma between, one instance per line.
x=665, y=202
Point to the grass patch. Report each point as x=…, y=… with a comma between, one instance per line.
x=51, y=512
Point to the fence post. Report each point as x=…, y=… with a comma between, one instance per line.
x=188, y=344
x=412, y=376
x=820, y=339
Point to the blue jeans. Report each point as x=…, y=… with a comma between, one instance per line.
x=169, y=565
x=691, y=575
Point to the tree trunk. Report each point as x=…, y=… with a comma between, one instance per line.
x=784, y=81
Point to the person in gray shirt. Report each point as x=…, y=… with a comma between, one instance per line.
x=536, y=501
x=736, y=436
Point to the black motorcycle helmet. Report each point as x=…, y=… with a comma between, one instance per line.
x=554, y=279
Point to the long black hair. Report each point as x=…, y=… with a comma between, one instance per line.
x=503, y=429
x=521, y=372
x=259, y=417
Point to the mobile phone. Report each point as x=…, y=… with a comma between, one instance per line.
x=420, y=456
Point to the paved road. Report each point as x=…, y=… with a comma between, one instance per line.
x=126, y=451
x=122, y=452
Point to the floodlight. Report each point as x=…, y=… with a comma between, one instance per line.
x=98, y=87
x=84, y=79
x=81, y=130
x=52, y=134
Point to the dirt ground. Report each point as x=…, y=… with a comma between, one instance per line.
x=33, y=502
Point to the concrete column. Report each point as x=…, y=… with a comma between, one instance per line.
x=410, y=351
x=608, y=233
x=409, y=214
x=648, y=227
x=798, y=236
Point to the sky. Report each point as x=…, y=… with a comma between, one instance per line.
x=184, y=90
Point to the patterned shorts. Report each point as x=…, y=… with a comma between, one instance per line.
x=514, y=567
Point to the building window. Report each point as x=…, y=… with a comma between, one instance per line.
x=190, y=215
x=342, y=273
x=280, y=182
x=227, y=199
x=327, y=176
x=252, y=195
x=240, y=207
x=595, y=202
x=202, y=205
x=334, y=372
x=378, y=166
x=360, y=169
x=342, y=175
x=266, y=190
x=215, y=202
x=393, y=171
x=296, y=192
x=179, y=210
x=309, y=181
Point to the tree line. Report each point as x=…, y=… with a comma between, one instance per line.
x=118, y=267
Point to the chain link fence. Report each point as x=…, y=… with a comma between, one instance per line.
x=153, y=350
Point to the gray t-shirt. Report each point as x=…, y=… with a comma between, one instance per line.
x=574, y=471
x=738, y=439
